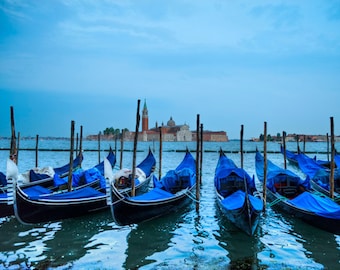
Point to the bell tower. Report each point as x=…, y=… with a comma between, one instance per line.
x=145, y=118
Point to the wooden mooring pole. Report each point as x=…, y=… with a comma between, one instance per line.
x=99, y=146
x=160, y=153
x=133, y=191
x=197, y=163
x=331, y=176
x=241, y=145
x=69, y=186
x=265, y=165
x=36, y=150
x=201, y=154
x=13, y=150
x=284, y=149
x=121, y=150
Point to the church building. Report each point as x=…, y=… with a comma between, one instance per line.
x=175, y=133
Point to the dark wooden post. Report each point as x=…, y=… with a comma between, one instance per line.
x=13, y=151
x=116, y=144
x=265, y=165
x=69, y=186
x=17, y=149
x=134, y=151
x=77, y=144
x=160, y=152
x=327, y=138
x=197, y=163
x=241, y=146
x=81, y=143
x=304, y=143
x=284, y=149
x=201, y=154
x=121, y=149
x=331, y=176
x=99, y=146
x=36, y=150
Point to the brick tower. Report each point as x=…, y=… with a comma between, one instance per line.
x=145, y=118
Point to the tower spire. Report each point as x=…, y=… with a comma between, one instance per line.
x=145, y=118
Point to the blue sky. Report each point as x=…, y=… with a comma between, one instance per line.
x=232, y=62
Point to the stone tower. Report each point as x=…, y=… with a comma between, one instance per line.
x=145, y=118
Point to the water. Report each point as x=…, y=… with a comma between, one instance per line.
x=182, y=240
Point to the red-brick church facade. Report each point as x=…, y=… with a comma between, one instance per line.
x=173, y=132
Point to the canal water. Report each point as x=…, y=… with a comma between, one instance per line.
x=186, y=239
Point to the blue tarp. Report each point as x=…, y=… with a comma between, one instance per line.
x=154, y=194
x=66, y=168
x=227, y=171
x=337, y=160
x=86, y=192
x=36, y=191
x=236, y=200
x=277, y=175
x=33, y=176
x=3, y=180
x=182, y=177
x=148, y=164
x=111, y=158
x=315, y=171
x=81, y=177
x=319, y=205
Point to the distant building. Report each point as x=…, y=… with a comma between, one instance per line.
x=172, y=132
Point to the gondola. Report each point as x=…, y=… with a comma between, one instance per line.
x=318, y=172
x=122, y=178
x=48, y=172
x=237, y=196
x=43, y=201
x=289, y=193
x=6, y=205
x=171, y=192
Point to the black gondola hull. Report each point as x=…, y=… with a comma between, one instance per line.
x=126, y=211
x=30, y=211
x=324, y=223
x=243, y=219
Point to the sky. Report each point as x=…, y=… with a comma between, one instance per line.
x=231, y=63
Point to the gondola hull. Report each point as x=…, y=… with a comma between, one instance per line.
x=30, y=211
x=246, y=217
x=172, y=192
x=6, y=209
x=236, y=195
x=127, y=211
x=331, y=225
x=288, y=193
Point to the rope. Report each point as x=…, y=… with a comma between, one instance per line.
x=191, y=196
x=113, y=203
x=277, y=201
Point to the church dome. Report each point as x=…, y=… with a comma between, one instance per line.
x=171, y=123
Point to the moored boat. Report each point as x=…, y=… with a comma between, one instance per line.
x=43, y=201
x=43, y=175
x=169, y=194
x=237, y=196
x=287, y=192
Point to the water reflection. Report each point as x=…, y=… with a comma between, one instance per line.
x=320, y=245
x=71, y=240
x=22, y=244
x=242, y=249
x=150, y=237
x=282, y=249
